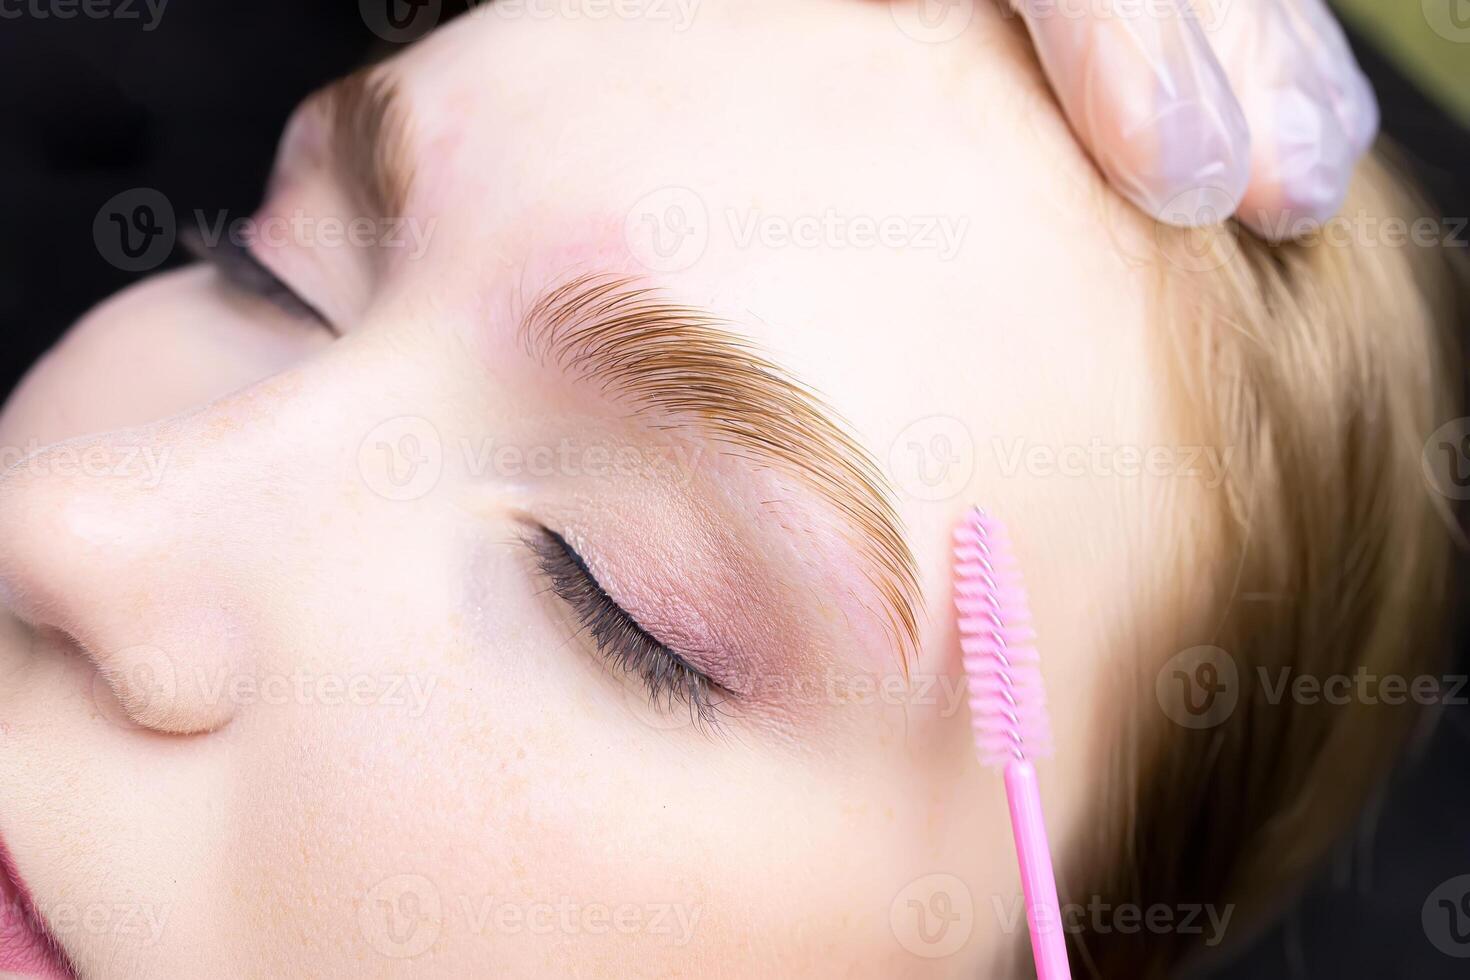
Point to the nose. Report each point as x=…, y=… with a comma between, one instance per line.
x=101, y=539
x=146, y=547
x=190, y=559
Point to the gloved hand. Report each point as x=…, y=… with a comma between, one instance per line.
x=1251, y=107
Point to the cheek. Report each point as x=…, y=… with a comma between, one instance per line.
x=537, y=817
x=183, y=339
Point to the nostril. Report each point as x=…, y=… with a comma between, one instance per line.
x=137, y=689
x=142, y=686
x=115, y=567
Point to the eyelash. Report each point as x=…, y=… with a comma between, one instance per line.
x=243, y=270
x=668, y=676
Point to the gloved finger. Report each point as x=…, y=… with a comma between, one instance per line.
x=1301, y=155
x=1145, y=94
x=1352, y=95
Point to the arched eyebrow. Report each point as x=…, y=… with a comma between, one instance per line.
x=684, y=363
x=367, y=126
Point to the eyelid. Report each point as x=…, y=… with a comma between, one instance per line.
x=245, y=271
x=619, y=637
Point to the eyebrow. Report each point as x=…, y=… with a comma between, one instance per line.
x=685, y=363
x=368, y=124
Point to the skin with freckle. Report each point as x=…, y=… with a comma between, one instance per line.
x=430, y=828
x=304, y=696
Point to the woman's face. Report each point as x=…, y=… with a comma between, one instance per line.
x=306, y=672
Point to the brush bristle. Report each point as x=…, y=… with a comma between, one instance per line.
x=1007, y=701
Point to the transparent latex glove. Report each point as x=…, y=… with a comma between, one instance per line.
x=1199, y=109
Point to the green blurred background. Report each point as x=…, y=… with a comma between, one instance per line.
x=1429, y=40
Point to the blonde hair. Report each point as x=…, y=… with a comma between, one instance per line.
x=1322, y=366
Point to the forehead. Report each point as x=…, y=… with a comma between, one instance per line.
x=827, y=109
x=818, y=148
x=908, y=227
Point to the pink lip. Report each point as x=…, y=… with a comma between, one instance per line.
x=26, y=948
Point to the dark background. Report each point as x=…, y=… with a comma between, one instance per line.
x=93, y=107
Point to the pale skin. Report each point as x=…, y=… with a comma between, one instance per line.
x=491, y=758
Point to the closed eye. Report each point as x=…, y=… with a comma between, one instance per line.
x=669, y=677
x=246, y=272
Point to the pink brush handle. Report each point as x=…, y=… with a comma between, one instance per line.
x=1048, y=944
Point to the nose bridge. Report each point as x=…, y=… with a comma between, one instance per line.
x=135, y=543
x=116, y=510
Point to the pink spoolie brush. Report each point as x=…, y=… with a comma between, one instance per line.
x=1008, y=711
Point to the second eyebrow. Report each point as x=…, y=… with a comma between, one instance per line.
x=367, y=125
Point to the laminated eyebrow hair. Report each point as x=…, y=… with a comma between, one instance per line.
x=368, y=128
x=677, y=360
